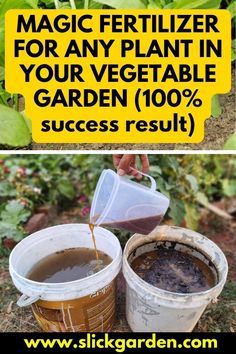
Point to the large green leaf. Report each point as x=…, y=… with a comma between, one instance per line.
x=14, y=131
x=17, y=4
x=2, y=42
x=28, y=121
x=215, y=107
x=232, y=8
x=177, y=211
x=229, y=187
x=4, y=96
x=92, y=4
x=2, y=73
x=95, y=5
x=10, y=231
x=7, y=189
x=202, y=199
x=66, y=188
x=192, y=216
x=124, y=4
x=6, y=5
x=194, y=4
x=193, y=182
x=231, y=143
x=15, y=213
x=156, y=4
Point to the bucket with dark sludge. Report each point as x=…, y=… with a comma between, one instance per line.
x=75, y=297
x=171, y=276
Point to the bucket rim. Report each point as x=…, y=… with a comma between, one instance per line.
x=161, y=292
x=54, y=285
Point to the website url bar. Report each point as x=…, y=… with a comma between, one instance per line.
x=120, y=345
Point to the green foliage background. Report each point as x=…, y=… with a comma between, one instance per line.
x=30, y=181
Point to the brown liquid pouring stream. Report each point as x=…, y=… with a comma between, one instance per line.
x=92, y=226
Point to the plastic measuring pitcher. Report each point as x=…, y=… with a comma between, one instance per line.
x=121, y=203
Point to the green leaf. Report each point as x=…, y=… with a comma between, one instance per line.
x=94, y=5
x=27, y=121
x=215, y=107
x=162, y=185
x=177, y=211
x=15, y=213
x=4, y=96
x=14, y=131
x=231, y=143
x=2, y=41
x=233, y=54
x=191, y=216
x=232, y=8
x=194, y=4
x=202, y=199
x=229, y=187
x=124, y=4
x=7, y=189
x=155, y=170
x=155, y=4
x=50, y=3
x=17, y=4
x=193, y=182
x=6, y=5
x=66, y=188
x=2, y=73
x=11, y=231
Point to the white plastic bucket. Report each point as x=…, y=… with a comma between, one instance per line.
x=150, y=309
x=84, y=305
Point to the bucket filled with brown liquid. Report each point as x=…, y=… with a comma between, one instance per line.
x=123, y=204
x=171, y=275
x=70, y=285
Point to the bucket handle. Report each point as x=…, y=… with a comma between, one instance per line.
x=153, y=182
x=26, y=300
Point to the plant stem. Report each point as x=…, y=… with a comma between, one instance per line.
x=86, y=4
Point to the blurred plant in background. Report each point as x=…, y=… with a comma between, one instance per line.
x=65, y=181
x=191, y=181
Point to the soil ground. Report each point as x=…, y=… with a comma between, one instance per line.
x=218, y=317
x=217, y=132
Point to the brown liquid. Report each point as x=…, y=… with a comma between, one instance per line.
x=91, y=226
x=68, y=265
x=174, y=271
x=141, y=225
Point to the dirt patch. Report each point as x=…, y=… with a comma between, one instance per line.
x=217, y=132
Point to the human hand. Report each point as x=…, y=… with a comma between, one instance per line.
x=126, y=164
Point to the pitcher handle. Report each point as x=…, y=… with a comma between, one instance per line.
x=153, y=182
